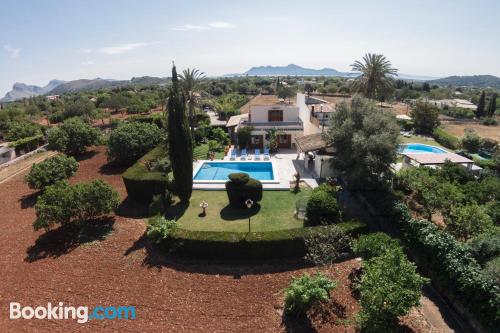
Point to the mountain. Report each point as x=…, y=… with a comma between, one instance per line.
x=482, y=81
x=294, y=70
x=21, y=90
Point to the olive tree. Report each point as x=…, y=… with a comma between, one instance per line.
x=51, y=171
x=73, y=137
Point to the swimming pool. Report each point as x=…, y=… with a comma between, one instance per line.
x=412, y=148
x=219, y=171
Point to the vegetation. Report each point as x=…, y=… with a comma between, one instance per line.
x=425, y=117
x=375, y=245
x=73, y=137
x=180, y=141
x=322, y=207
x=445, y=139
x=486, y=246
x=62, y=203
x=240, y=187
x=51, y=171
x=244, y=136
x=159, y=229
x=480, y=111
x=492, y=105
x=471, y=142
x=22, y=130
x=190, y=80
x=375, y=80
x=307, y=291
x=326, y=247
x=467, y=221
x=130, y=141
x=365, y=139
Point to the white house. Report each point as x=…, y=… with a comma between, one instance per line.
x=267, y=113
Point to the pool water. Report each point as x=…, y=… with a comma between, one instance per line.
x=412, y=148
x=221, y=171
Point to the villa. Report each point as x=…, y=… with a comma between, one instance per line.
x=266, y=113
x=322, y=107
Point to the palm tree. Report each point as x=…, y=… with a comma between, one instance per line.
x=376, y=77
x=190, y=80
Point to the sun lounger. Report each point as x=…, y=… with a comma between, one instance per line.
x=233, y=154
x=257, y=155
x=267, y=157
x=243, y=155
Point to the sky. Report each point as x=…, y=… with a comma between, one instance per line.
x=120, y=39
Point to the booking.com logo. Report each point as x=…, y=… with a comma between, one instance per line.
x=80, y=313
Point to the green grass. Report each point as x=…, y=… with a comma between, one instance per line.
x=420, y=139
x=201, y=153
x=275, y=212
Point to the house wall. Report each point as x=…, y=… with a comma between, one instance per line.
x=322, y=167
x=293, y=134
x=8, y=156
x=260, y=113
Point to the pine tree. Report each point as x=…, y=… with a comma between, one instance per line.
x=492, y=106
x=180, y=142
x=481, y=105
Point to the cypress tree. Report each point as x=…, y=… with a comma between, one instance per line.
x=492, y=106
x=481, y=105
x=180, y=143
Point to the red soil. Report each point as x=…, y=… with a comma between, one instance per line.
x=120, y=268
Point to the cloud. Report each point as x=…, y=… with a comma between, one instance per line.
x=221, y=25
x=119, y=49
x=211, y=25
x=86, y=51
x=190, y=27
x=13, y=52
x=88, y=62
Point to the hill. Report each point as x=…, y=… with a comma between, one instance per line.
x=21, y=90
x=482, y=81
x=294, y=70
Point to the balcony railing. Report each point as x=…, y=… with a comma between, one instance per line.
x=291, y=125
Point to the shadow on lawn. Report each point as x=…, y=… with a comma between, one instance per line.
x=229, y=213
x=63, y=240
x=111, y=169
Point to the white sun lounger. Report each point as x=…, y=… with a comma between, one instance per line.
x=257, y=155
x=243, y=155
x=233, y=154
x=267, y=157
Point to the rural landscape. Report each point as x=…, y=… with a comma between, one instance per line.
x=282, y=198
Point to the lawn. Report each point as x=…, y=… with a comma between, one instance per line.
x=420, y=139
x=201, y=153
x=275, y=212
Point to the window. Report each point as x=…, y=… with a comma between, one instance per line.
x=255, y=139
x=275, y=115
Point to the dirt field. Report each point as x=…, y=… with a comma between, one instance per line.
x=458, y=128
x=116, y=266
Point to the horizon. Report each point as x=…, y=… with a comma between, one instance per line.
x=81, y=40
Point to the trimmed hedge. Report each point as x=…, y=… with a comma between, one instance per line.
x=27, y=144
x=322, y=207
x=445, y=139
x=143, y=184
x=250, y=246
x=241, y=187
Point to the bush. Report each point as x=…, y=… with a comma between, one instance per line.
x=467, y=221
x=486, y=246
x=62, y=203
x=240, y=187
x=471, y=142
x=146, y=178
x=425, y=117
x=244, y=135
x=491, y=271
x=305, y=292
x=50, y=171
x=457, y=112
x=160, y=229
x=130, y=141
x=21, y=130
x=489, y=122
x=26, y=144
x=445, y=139
x=389, y=287
x=326, y=247
x=375, y=245
x=322, y=207
x=73, y=137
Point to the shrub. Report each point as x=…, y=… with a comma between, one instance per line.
x=307, y=291
x=486, y=246
x=491, y=271
x=389, y=287
x=21, y=130
x=444, y=138
x=244, y=135
x=221, y=136
x=50, y=171
x=471, y=142
x=489, y=122
x=130, y=141
x=376, y=244
x=160, y=229
x=325, y=247
x=144, y=179
x=62, y=203
x=73, y=137
x=457, y=112
x=425, y=117
x=322, y=207
x=467, y=221
x=26, y=144
x=241, y=187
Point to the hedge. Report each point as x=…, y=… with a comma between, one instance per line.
x=141, y=183
x=450, y=264
x=248, y=246
x=445, y=139
x=240, y=187
x=27, y=144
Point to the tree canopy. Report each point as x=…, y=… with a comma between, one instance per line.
x=376, y=76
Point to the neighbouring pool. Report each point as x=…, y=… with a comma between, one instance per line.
x=412, y=148
x=220, y=171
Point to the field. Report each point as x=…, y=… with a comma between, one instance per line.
x=111, y=263
x=458, y=128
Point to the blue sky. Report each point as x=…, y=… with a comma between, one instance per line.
x=44, y=40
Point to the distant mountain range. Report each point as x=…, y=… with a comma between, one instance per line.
x=57, y=87
x=295, y=70
x=21, y=90
x=482, y=81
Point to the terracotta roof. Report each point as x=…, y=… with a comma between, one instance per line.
x=431, y=158
x=311, y=142
x=263, y=100
x=235, y=120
